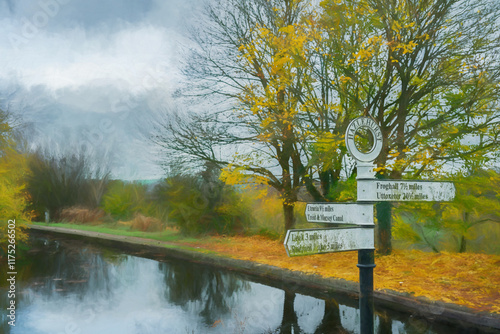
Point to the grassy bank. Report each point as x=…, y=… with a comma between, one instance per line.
x=169, y=235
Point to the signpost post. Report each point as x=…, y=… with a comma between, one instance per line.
x=360, y=237
x=366, y=257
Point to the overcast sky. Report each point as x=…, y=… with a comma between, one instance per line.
x=86, y=73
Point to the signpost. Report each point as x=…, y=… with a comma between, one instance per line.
x=320, y=241
x=404, y=191
x=361, y=236
x=340, y=213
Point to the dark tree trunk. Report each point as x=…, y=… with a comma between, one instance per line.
x=331, y=319
x=289, y=320
x=289, y=216
x=313, y=191
x=384, y=219
x=325, y=182
x=385, y=324
x=463, y=245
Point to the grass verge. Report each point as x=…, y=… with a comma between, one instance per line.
x=169, y=235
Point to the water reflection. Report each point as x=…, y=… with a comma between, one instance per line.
x=72, y=288
x=202, y=290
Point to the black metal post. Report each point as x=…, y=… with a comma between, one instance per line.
x=366, y=263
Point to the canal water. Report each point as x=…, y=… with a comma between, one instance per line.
x=70, y=287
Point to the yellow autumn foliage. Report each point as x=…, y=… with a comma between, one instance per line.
x=13, y=200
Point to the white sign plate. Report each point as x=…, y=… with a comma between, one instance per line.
x=319, y=241
x=340, y=213
x=405, y=191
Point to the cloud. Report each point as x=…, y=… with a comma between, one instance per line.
x=127, y=58
x=88, y=13
x=68, y=66
x=117, y=41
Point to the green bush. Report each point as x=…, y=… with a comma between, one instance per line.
x=468, y=223
x=13, y=201
x=13, y=198
x=124, y=199
x=201, y=205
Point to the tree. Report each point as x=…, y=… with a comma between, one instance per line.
x=13, y=199
x=426, y=71
x=439, y=224
x=420, y=224
x=477, y=202
x=5, y=132
x=245, y=54
x=58, y=182
x=203, y=204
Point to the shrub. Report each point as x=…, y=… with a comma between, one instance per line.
x=266, y=209
x=124, y=199
x=82, y=215
x=13, y=197
x=13, y=200
x=465, y=224
x=201, y=204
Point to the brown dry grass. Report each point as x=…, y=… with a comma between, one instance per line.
x=145, y=224
x=82, y=215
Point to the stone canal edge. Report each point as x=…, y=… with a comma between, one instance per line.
x=282, y=278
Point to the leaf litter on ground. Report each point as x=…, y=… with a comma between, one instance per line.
x=467, y=279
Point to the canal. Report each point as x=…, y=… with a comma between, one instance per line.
x=67, y=286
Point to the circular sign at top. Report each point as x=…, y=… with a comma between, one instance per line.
x=358, y=127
